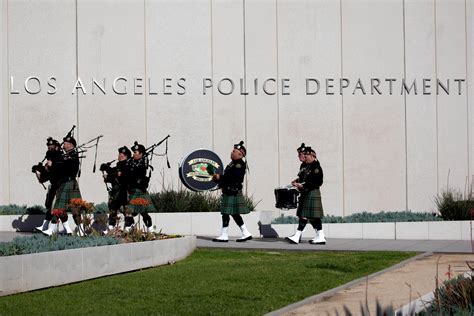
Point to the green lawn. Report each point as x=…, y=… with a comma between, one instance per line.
x=209, y=282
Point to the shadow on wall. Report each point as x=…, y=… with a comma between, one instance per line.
x=27, y=223
x=266, y=230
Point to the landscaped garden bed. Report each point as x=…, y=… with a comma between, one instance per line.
x=32, y=271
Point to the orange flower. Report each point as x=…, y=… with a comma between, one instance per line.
x=57, y=212
x=76, y=202
x=139, y=202
x=79, y=205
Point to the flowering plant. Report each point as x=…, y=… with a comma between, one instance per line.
x=138, y=205
x=82, y=212
x=57, y=213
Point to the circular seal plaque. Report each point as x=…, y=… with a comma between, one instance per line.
x=196, y=170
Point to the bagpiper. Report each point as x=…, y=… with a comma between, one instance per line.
x=233, y=202
x=138, y=181
x=117, y=177
x=48, y=172
x=67, y=169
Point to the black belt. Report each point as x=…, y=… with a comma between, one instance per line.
x=67, y=179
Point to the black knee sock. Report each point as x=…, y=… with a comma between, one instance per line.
x=113, y=218
x=225, y=220
x=238, y=219
x=129, y=221
x=317, y=224
x=302, y=223
x=49, y=216
x=146, y=219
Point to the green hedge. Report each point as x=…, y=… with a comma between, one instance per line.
x=366, y=217
x=14, y=209
x=40, y=243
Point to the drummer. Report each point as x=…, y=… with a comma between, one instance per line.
x=302, y=158
x=233, y=202
x=310, y=207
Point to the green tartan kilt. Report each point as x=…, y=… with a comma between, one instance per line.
x=310, y=205
x=234, y=204
x=137, y=193
x=67, y=190
x=117, y=197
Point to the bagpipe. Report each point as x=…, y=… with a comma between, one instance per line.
x=150, y=153
x=58, y=155
x=41, y=169
x=80, y=150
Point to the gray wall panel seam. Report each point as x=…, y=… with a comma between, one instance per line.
x=8, y=108
x=405, y=107
x=145, y=70
x=342, y=115
x=467, y=90
x=278, y=94
x=212, y=78
x=245, y=80
x=77, y=70
x=436, y=76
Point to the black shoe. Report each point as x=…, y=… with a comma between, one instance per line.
x=219, y=240
x=317, y=243
x=244, y=239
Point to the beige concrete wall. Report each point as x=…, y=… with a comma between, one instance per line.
x=4, y=174
x=374, y=151
x=42, y=43
x=420, y=61
x=109, y=46
x=452, y=110
x=378, y=152
x=470, y=78
x=310, y=46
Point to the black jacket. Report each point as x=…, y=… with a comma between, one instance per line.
x=68, y=167
x=113, y=173
x=136, y=174
x=312, y=176
x=231, y=182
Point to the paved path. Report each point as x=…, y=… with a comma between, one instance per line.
x=437, y=246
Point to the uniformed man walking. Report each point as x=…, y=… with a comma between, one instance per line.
x=67, y=169
x=46, y=173
x=137, y=187
x=117, y=177
x=310, y=206
x=233, y=202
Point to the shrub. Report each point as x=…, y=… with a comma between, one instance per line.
x=453, y=206
x=454, y=297
x=365, y=217
x=182, y=200
x=41, y=243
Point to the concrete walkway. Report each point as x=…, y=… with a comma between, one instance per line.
x=435, y=246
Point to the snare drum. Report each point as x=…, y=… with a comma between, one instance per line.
x=286, y=198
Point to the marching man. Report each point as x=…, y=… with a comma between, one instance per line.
x=310, y=207
x=233, y=202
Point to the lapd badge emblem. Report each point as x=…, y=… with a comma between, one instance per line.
x=196, y=170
